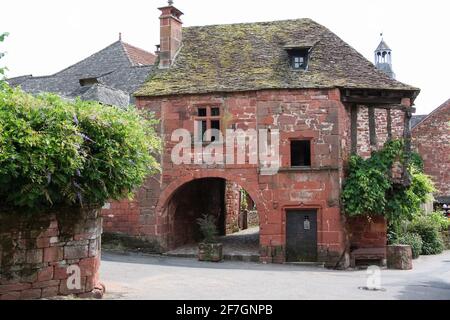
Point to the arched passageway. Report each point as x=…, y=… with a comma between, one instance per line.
x=234, y=210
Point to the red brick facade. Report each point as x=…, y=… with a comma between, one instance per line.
x=335, y=121
x=318, y=115
x=431, y=139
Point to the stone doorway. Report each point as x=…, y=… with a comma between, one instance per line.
x=235, y=212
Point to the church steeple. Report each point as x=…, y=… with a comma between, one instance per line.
x=383, y=58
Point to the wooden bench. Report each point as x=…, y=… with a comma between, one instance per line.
x=368, y=254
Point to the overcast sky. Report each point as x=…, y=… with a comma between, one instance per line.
x=47, y=35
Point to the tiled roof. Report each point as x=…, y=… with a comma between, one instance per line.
x=138, y=56
x=253, y=56
x=119, y=66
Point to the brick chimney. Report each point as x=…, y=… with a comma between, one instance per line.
x=170, y=34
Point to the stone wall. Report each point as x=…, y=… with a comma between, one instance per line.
x=382, y=130
x=367, y=232
x=121, y=217
x=233, y=206
x=316, y=115
x=431, y=139
x=36, y=252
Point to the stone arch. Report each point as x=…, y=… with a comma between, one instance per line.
x=176, y=232
x=167, y=193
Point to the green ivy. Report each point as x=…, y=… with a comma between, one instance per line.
x=370, y=190
x=56, y=152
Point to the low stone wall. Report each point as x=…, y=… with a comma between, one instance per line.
x=50, y=254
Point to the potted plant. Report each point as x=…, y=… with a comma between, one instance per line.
x=210, y=249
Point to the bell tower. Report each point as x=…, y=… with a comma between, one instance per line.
x=383, y=58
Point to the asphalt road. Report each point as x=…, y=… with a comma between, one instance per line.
x=134, y=276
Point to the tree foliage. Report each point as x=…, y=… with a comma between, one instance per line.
x=57, y=152
x=369, y=189
x=2, y=54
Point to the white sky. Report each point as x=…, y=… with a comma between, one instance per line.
x=48, y=35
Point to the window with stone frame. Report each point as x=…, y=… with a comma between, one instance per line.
x=208, y=118
x=300, y=153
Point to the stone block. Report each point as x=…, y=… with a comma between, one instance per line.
x=399, y=257
x=76, y=252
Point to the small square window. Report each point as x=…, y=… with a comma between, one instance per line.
x=300, y=153
x=215, y=112
x=202, y=112
x=299, y=59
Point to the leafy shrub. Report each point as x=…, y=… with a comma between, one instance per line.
x=208, y=228
x=429, y=232
x=441, y=220
x=369, y=190
x=412, y=239
x=56, y=152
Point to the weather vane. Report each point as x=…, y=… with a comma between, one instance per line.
x=170, y=2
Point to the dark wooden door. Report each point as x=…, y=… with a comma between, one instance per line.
x=301, y=236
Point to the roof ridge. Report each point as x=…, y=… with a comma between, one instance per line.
x=88, y=57
x=252, y=23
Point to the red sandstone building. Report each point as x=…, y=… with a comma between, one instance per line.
x=295, y=76
x=431, y=139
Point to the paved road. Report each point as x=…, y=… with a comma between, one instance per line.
x=134, y=276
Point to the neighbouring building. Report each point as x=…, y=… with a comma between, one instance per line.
x=109, y=76
x=295, y=76
x=431, y=139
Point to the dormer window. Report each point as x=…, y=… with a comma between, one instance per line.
x=299, y=59
x=298, y=56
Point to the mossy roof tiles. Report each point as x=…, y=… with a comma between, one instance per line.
x=253, y=56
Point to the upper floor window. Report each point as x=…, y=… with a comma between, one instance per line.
x=207, y=123
x=300, y=153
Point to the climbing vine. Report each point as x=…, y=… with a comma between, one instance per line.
x=370, y=190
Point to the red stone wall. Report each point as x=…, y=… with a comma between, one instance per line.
x=317, y=115
x=121, y=217
x=233, y=206
x=431, y=138
x=367, y=232
x=397, y=128
x=35, y=254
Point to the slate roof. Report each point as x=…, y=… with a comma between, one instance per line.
x=252, y=56
x=119, y=66
x=416, y=119
x=103, y=94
